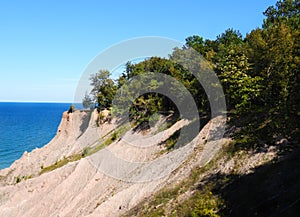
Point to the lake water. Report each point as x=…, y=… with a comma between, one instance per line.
x=25, y=126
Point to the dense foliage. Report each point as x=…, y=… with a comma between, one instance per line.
x=259, y=74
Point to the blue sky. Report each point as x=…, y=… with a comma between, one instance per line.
x=46, y=45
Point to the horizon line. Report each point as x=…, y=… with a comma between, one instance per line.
x=33, y=101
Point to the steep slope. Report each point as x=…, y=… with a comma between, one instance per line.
x=108, y=182
x=76, y=131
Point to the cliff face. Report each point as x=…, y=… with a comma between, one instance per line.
x=108, y=181
x=76, y=131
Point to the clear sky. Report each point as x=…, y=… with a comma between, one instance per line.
x=46, y=45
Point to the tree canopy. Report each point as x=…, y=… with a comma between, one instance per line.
x=259, y=74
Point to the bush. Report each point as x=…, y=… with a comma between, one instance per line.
x=71, y=109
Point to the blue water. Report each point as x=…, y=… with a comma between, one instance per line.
x=25, y=126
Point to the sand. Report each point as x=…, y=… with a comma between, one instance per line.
x=107, y=183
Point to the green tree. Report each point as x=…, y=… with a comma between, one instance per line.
x=229, y=37
x=197, y=43
x=104, y=88
x=87, y=101
x=286, y=11
x=272, y=52
x=241, y=89
x=283, y=23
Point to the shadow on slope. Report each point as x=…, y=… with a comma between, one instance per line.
x=272, y=190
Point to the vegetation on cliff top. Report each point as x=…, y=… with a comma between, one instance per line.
x=260, y=77
x=259, y=74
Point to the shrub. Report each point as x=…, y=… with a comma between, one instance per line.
x=71, y=109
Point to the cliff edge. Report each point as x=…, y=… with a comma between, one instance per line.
x=105, y=170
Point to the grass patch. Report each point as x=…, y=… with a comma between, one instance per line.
x=60, y=163
x=203, y=202
x=87, y=151
x=20, y=179
x=172, y=140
